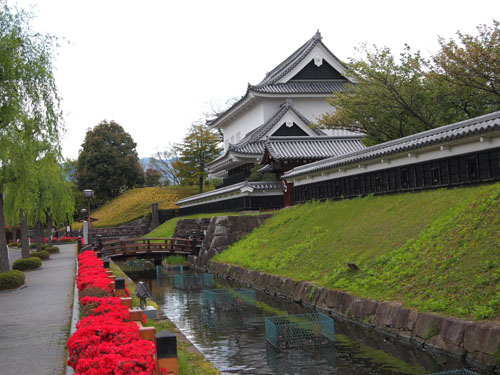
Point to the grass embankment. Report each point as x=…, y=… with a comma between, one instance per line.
x=167, y=228
x=190, y=361
x=136, y=203
x=434, y=251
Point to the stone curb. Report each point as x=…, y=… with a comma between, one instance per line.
x=475, y=342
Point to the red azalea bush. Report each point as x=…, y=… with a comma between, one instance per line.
x=91, y=273
x=105, y=342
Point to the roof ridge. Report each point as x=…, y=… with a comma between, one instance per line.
x=291, y=61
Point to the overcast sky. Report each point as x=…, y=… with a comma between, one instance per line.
x=153, y=65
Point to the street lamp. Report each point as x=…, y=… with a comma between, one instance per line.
x=88, y=193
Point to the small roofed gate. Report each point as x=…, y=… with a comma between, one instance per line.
x=151, y=247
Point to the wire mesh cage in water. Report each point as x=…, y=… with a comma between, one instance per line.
x=457, y=372
x=299, y=331
x=195, y=281
x=228, y=299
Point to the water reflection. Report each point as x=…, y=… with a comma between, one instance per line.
x=234, y=340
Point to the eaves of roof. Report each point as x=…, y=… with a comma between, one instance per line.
x=251, y=186
x=307, y=148
x=326, y=87
x=468, y=128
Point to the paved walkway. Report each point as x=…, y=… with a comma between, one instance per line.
x=34, y=321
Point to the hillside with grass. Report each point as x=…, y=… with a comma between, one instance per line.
x=136, y=203
x=434, y=251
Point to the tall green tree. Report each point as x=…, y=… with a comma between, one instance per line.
x=468, y=70
x=108, y=162
x=391, y=98
x=29, y=105
x=395, y=98
x=200, y=146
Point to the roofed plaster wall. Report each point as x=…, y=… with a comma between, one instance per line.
x=243, y=124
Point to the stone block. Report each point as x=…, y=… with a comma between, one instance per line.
x=150, y=312
x=482, y=337
x=344, y=302
x=401, y=319
x=453, y=330
x=363, y=308
x=435, y=344
x=387, y=313
x=479, y=359
x=332, y=298
x=427, y=325
x=455, y=351
x=288, y=287
x=218, y=242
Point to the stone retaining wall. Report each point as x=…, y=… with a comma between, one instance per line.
x=476, y=342
x=223, y=231
x=136, y=228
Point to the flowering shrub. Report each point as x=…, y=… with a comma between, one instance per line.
x=91, y=273
x=105, y=342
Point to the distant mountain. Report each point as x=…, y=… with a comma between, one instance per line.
x=144, y=162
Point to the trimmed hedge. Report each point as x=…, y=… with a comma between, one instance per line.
x=11, y=279
x=52, y=249
x=32, y=246
x=27, y=264
x=43, y=255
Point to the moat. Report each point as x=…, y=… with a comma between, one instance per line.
x=234, y=340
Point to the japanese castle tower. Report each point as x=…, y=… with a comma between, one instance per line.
x=271, y=124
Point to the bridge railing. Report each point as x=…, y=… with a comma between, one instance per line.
x=133, y=246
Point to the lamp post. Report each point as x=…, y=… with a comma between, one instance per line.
x=88, y=193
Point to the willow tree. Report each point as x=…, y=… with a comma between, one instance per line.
x=47, y=200
x=29, y=105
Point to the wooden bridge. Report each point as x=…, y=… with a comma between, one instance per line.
x=150, y=247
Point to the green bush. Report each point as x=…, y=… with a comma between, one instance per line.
x=32, y=246
x=175, y=259
x=27, y=264
x=52, y=249
x=45, y=246
x=43, y=255
x=11, y=279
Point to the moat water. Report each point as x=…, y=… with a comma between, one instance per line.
x=235, y=342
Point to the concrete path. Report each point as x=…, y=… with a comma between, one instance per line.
x=34, y=321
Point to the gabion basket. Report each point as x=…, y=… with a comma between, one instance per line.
x=228, y=299
x=195, y=281
x=463, y=371
x=299, y=331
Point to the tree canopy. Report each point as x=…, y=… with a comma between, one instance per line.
x=108, y=162
x=30, y=116
x=200, y=146
x=394, y=98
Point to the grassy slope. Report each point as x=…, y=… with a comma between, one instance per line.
x=136, y=203
x=435, y=251
x=168, y=227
